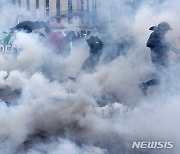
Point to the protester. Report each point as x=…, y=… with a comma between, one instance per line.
x=159, y=53
x=57, y=41
x=118, y=48
x=95, y=53
x=69, y=35
x=76, y=37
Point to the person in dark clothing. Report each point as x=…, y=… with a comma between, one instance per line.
x=69, y=37
x=159, y=53
x=76, y=37
x=119, y=48
x=95, y=52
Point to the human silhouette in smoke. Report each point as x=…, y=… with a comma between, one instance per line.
x=118, y=48
x=95, y=52
x=159, y=53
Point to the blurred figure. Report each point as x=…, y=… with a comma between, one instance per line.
x=95, y=52
x=84, y=33
x=57, y=41
x=5, y=38
x=69, y=35
x=76, y=37
x=175, y=57
x=159, y=53
x=119, y=48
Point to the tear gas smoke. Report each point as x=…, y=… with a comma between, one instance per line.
x=102, y=112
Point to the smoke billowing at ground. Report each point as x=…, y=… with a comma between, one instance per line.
x=102, y=112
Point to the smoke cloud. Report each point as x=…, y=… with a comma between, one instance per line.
x=42, y=111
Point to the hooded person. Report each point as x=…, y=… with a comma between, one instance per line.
x=158, y=45
x=95, y=53
x=159, y=53
x=57, y=41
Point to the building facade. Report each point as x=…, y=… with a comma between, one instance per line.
x=78, y=13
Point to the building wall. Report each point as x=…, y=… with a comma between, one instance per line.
x=79, y=16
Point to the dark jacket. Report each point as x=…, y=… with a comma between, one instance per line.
x=95, y=45
x=159, y=48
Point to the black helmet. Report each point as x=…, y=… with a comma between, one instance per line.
x=164, y=26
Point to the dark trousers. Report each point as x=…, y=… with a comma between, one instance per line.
x=90, y=63
x=160, y=70
x=152, y=82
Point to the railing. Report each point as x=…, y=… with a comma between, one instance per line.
x=87, y=15
x=71, y=13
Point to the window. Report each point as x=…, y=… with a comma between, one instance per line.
x=94, y=10
x=88, y=18
x=82, y=8
x=70, y=20
x=47, y=3
x=28, y=5
x=58, y=11
x=47, y=7
x=94, y=6
x=14, y=2
x=87, y=5
x=82, y=3
x=70, y=12
x=37, y=4
x=19, y=3
x=70, y=6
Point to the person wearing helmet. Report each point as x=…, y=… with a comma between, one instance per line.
x=158, y=45
x=159, y=53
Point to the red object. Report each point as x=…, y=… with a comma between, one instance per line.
x=57, y=41
x=57, y=26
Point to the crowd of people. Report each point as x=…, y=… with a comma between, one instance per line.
x=60, y=42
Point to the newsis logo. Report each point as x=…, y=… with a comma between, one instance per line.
x=152, y=145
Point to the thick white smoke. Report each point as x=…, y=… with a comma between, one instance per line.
x=42, y=111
